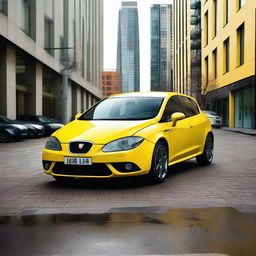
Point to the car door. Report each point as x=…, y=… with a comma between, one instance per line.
x=178, y=135
x=194, y=122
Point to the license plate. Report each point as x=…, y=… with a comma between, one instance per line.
x=78, y=160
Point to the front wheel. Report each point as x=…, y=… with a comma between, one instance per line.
x=207, y=156
x=159, y=166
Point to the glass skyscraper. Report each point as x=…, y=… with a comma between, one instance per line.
x=128, y=52
x=161, y=48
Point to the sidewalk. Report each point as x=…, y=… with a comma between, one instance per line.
x=240, y=130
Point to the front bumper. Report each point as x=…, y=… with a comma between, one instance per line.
x=104, y=164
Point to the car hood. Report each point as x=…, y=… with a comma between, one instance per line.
x=100, y=132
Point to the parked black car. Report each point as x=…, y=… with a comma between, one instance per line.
x=9, y=133
x=49, y=124
x=24, y=131
x=35, y=130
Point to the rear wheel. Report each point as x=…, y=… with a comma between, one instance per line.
x=5, y=137
x=159, y=166
x=207, y=156
x=63, y=179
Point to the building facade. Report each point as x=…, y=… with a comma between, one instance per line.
x=110, y=83
x=161, y=47
x=228, y=59
x=187, y=47
x=128, y=50
x=41, y=43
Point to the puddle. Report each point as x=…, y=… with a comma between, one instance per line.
x=176, y=231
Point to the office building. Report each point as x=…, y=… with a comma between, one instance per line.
x=228, y=60
x=110, y=83
x=41, y=43
x=161, y=47
x=128, y=51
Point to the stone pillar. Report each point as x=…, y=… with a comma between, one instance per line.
x=58, y=96
x=74, y=100
x=7, y=81
x=78, y=102
x=69, y=101
x=34, y=73
x=231, y=109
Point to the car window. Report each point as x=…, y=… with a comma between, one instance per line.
x=172, y=106
x=190, y=107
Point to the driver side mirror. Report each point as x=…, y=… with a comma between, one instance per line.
x=176, y=117
x=77, y=115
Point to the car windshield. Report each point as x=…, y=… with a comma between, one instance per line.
x=124, y=108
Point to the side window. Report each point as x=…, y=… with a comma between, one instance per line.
x=189, y=106
x=172, y=106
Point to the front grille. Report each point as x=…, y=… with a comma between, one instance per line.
x=82, y=170
x=79, y=147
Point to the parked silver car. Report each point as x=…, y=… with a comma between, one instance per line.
x=216, y=120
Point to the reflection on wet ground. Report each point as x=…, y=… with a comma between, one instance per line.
x=176, y=231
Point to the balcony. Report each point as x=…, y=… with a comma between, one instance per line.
x=196, y=45
x=195, y=20
x=196, y=4
x=195, y=34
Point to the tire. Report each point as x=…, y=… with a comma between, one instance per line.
x=5, y=137
x=207, y=156
x=159, y=165
x=62, y=179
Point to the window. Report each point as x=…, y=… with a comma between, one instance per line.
x=25, y=16
x=172, y=106
x=206, y=28
x=241, y=3
x=189, y=106
x=215, y=17
x=226, y=55
x=109, y=77
x=206, y=70
x=108, y=88
x=227, y=11
x=215, y=63
x=48, y=35
x=240, y=45
x=109, y=83
x=3, y=6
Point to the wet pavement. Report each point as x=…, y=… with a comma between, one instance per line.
x=197, y=211
x=174, y=231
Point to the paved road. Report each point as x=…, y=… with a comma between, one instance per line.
x=229, y=182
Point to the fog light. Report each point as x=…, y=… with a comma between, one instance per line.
x=128, y=166
x=46, y=164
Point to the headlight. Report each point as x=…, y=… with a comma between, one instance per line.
x=123, y=144
x=53, y=144
x=11, y=131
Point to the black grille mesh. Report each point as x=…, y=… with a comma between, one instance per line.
x=82, y=170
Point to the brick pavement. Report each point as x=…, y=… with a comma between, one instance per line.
x=229, y=181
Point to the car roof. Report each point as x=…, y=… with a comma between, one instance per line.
x=146, y=94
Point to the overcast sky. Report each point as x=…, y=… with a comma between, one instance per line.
x=111, y=8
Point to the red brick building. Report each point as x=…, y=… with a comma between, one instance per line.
x=110, y=83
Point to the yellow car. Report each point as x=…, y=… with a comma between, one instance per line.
x=130, y=134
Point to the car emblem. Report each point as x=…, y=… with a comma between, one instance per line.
x=80, y=145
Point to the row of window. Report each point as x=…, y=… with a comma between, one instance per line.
x=111, y=88
x=110, y=83
x=215, y=21
x=109, y=77
x=240, y=47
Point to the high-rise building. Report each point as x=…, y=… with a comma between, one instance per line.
x=110, y=83
x=187, y=47
x=161, y=48
x=41, y=42
x=128, y=52
x=229, y=60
